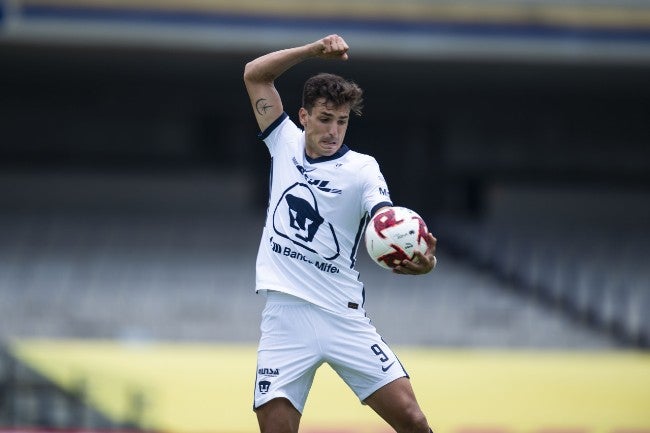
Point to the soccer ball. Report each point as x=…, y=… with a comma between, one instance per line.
x=395, y=234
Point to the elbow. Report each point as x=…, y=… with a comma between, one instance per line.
x=248, y=72
x=253, y=74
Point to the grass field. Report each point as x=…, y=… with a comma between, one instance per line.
x=195, y=388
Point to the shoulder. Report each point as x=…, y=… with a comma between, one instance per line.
x=278, y=125
x=282, y=132
x=361, y=161
x=360, y=158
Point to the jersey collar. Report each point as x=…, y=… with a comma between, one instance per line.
x=339, y=153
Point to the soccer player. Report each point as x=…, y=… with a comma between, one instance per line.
x=321, y=196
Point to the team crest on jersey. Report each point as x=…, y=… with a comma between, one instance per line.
x=296, y=218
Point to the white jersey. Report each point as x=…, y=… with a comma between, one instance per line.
x=317, y=211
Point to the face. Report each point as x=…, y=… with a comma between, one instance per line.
x=325, y=128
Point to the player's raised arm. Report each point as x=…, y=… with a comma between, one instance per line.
x=260, y=74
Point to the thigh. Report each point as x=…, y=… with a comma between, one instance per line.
x=287, y=356
x=360, y=356
x=397, y=405
x=278, y=415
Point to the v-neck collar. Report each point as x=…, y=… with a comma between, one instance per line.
x=339, y=153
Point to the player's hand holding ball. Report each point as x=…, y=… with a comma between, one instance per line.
x=422, y=263
x=397, y=238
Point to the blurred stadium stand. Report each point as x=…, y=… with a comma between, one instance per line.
x=129, y=157
x=581, y=252
x=148, y=272
x=29, y=401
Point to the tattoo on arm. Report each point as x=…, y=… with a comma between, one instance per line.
x=262, y=106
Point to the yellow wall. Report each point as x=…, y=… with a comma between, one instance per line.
x=208, y=388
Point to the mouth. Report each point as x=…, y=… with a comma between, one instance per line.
x=329, y=143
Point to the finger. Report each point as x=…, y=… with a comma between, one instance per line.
x=332, y=40
x=410, y=269
x=402, y=270
x=424, y=262
x=431, y=244
x=327, y=43
x=344, y=45
x=338, y=51
x=340, y=44
x=334, y=46
x=420, y=257
x=430, y=261
x=417, y=266
x=337, y=44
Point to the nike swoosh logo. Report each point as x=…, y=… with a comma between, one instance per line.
x=385, y=369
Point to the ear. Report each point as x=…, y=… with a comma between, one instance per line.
x=302, y=115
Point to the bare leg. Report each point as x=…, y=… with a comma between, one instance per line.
x=396, y=404
x=278, y=416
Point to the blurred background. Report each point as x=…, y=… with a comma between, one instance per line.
x=133, y=190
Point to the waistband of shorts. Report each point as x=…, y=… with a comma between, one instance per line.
x=275, y=297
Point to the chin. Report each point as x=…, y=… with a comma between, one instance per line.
x=329, y=151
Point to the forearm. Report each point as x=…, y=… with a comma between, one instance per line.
x=260, y=74
x=267, y=68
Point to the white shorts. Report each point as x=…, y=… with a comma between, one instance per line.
x=297, y=337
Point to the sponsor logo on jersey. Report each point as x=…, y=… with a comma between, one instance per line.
x=265, y=374
x=268, y=372
x=298, y=256
x=322, y=185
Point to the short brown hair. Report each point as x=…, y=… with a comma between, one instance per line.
x=335, y=89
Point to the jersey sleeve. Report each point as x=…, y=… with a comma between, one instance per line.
x=280, y=131
x=375, y=190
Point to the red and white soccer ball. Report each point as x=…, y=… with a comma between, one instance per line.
x=395, y=234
